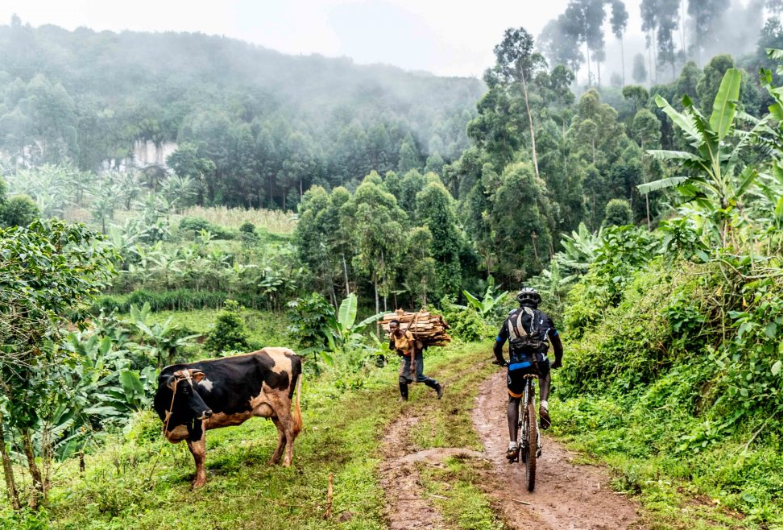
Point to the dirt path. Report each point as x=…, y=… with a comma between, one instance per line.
x=567, y=496
x=407, y=505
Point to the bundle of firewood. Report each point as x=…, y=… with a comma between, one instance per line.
x=426, y=327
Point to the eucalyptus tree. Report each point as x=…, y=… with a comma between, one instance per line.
x=646, y=129
x=619, y=22
x=377, y=224
x=517, y=62
x=435, y=209
x=639, y=70
x=706, y=15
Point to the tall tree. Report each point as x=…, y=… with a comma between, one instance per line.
x=436, y=210
x=705, y=15
x=619, y=23
x=517, y=62
x=639, y=70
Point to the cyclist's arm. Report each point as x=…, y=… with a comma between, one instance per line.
x=557, y=344
x=500, y=340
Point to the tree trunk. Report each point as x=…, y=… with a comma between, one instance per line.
x=598, y=69
x=655, y=53
x=8, y=471
x=345, y=272
x=38, y=493
x=377, y=303
x=530, y=120
x=589, y=71
x=622, y=57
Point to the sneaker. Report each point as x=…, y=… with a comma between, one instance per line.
x=439, y=390
x=513, y=451
x=543, y=414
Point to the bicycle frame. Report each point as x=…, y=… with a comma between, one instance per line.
x=525, y=438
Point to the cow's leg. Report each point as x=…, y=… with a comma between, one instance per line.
x=287, y=425
x=280, y=442
x=199, y=451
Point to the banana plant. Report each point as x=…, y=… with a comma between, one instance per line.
x=164, y=340
x=489, y=302
x=342, y=329
x=713, y=180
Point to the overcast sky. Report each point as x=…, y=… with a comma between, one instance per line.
x=447, y=37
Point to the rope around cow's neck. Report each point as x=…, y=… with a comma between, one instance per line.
x=171, y=408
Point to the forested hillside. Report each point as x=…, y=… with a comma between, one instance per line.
x=271, y=124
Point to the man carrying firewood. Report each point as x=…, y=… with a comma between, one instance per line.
x=411, y=360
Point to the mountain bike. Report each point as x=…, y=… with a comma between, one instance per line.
x=528, y=435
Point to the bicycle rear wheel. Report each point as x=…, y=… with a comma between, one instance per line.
x=531, y=450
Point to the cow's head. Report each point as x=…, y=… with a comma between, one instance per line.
x=186, y=399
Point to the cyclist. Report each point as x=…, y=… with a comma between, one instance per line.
x=528, y=331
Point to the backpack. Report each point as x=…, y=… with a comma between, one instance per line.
x=532, y=339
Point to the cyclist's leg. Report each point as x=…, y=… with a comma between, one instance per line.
x=545, y=380
x=513, y=417
x=516, y=388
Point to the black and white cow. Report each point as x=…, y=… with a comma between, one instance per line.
x=195, y=397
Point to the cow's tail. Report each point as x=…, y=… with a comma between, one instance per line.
x=297, y=414
x=298, y=408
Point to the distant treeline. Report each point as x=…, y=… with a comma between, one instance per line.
x=269, y=124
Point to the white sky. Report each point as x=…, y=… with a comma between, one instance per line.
x=447, y=37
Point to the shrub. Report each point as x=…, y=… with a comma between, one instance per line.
x=617, y=213
x=194, y=225
x=309, y=319
x=229, y=333
x=464, y=322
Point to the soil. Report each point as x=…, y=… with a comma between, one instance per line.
x=567, y=496
x=406, y=506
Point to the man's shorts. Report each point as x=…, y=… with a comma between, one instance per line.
x=521, y=366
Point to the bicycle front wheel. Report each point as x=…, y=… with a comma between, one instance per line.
x=531, y=447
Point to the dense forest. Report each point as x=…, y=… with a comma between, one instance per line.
x=307, y=196
x=271, y=124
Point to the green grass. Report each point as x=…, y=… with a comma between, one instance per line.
x=453, y=489
x=137, y=480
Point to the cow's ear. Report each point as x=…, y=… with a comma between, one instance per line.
x=198, y=376
x=171, y=382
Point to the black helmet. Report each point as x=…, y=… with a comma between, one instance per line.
x=528, y=295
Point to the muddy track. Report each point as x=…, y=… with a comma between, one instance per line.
x=567, y=496
x=407, y=505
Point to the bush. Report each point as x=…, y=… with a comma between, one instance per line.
x=464, y=323
x=229, y=333
x=309, y=317
x=194, y=225
x=618, y=213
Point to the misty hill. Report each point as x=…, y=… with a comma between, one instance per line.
x=271, y=123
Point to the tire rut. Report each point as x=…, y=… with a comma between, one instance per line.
x=407, y=505
x=567, y=496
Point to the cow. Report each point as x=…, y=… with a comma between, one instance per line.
x=196, y=397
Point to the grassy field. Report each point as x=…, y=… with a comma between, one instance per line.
x=265, y=328
x=137, y=480
x=275, y=221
